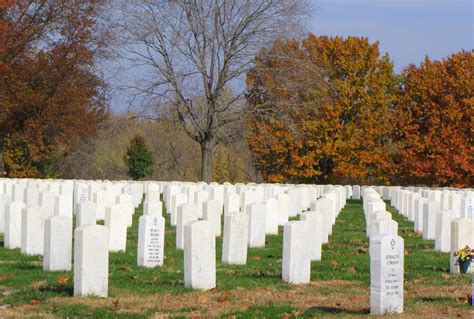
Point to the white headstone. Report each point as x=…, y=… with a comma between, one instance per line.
x=462, y=234
x=116, y=222
x=32, y=231
x=91, y=261
x=231, y=204
x=151, y=237
x=57, y=243
x=272, y=217
x=234, y=247
x=257, y=219
x=86, y=213
x=13, y=225
x=386, y=274
x=296, y=261
x=199, y=255
x=186, y=213
x=154, y=207
x=315, y=222
x=430, y=209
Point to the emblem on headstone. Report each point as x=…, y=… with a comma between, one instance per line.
x=155, y=221
x=393, y=243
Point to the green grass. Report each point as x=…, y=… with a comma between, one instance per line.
x=340, y=281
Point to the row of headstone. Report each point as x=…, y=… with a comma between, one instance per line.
x=445, y=216
x=247, y=221
x=386, y=250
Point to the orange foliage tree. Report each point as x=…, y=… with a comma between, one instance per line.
x=436, y=121
x=320, y=111
x=51, y=95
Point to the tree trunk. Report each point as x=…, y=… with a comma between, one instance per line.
x=206, y=163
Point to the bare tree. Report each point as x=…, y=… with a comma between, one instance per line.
x=199, y=51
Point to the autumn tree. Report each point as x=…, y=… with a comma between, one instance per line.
x=319, y=110
x=138, y=158
x=435, y=122
x=52, y=95
x=199, y=50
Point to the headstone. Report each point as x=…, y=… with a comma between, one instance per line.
x=231, y=204
x=257, y=219
x=296, y=261
x=13, y=225
x=234, y=247
x=86, y=213
x=57, y=243
x=125, y=201
x=430, y=209
x=186, y=213
x=151, y=237
x=62, y=206
x=462, y=234
x=212, y=211
x=283, y=208
x=315, y=223
x=356, y=192
x=47, y=200
x=116, y=222
x=467, y=207
x=177, y=200
x=32, y=231
x=154, y=207
x=386, y=274
x=199, y=255
x=272, y=217
x=91, y=261
x=443, y=231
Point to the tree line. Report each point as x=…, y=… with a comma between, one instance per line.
x=232, y=91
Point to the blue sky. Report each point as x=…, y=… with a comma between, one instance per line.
x=407, y=29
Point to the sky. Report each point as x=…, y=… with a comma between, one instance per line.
x=408, y=30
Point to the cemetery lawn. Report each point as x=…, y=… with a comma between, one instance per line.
x=339, y=286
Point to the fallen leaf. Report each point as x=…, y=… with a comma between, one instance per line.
x=35, y=302
x=62, y=280
x=7, y=293
x=257, y=258
x=4, y=307
x=123, y=269
x=351, y=270
x=8, y=275
x=333, y=263
x=39, y=284
x=223, y=297
x=203, y=298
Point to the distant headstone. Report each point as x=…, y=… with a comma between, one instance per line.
x=57, y=243
x=32, y=231
x=91, y=261
x=315, y=222
x=212, y=211
x=151, y=236
x=86, y=213
x=234, y=247
x=430, y=209
x=13, y=213
x=231, y=204
x=199, y=255
x=186, y=213
x=462, y=234
x=116, y=222
x=386, y=274
x=271, y=215
x=296, y=261
x=153, y=207
x=257, y=219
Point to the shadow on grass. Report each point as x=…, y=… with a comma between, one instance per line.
x=59, y=289
x=334, y=310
